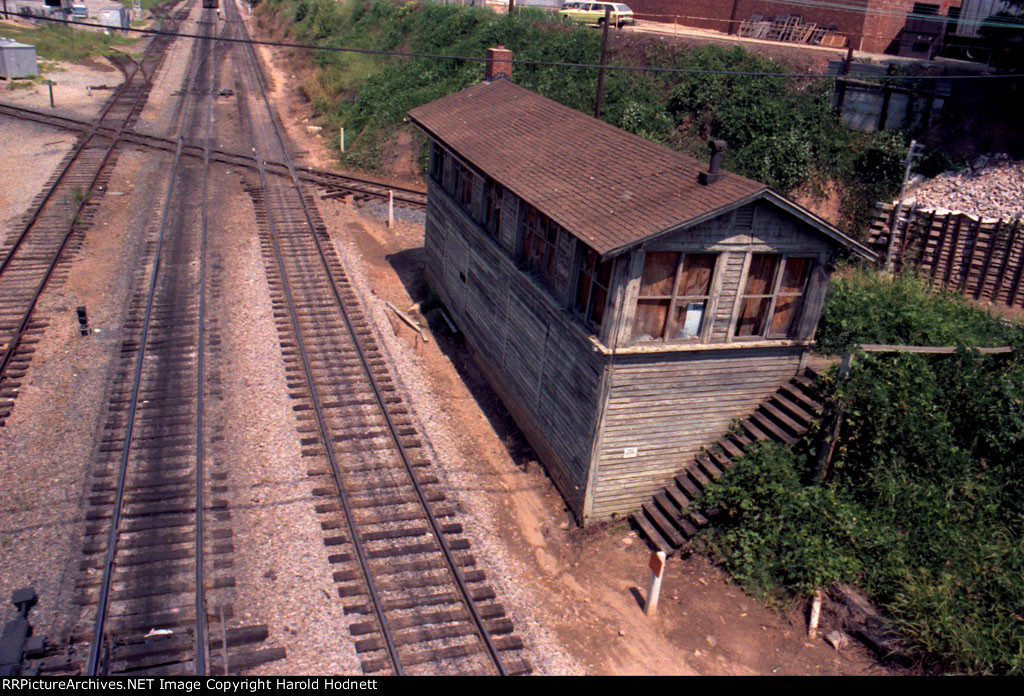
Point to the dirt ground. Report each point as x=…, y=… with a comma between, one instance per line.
x=584, y=587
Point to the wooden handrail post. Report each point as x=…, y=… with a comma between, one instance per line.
x=828, y=443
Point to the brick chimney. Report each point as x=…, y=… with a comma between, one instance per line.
x=714, y=172
x=499, y=63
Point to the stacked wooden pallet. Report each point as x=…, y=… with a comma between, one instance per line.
x=754, y=28
x=788, y=28
x=668, y=520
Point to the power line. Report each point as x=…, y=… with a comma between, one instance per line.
x=538, y=63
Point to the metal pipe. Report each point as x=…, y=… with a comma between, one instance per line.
x=604, y=53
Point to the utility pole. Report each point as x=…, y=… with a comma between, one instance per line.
x=895, y=226
x=604, y=52
x=844, y=71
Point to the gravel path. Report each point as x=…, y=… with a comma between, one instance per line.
x=80, y=90
x=29, y=153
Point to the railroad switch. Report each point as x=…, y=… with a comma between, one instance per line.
x=83, y=321
x=17, y=643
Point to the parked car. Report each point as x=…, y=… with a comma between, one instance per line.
x=592, y=13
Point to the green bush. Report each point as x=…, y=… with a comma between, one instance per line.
x=875, y=173
x=866, y=306
x=63, y=43
x=924, y=508
x=933, y=446
x=924, y=504
x=776, y=534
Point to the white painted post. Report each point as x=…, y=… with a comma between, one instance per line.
x=812, y=628
x=657, y=566
x=391, y=209
x=341, y=139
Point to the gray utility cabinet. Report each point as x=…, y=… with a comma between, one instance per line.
x=17, y=59
x=115, y=17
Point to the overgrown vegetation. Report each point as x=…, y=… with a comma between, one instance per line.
x=865, y=306
x=780, y=130
x=62, y=43
x=924, y=506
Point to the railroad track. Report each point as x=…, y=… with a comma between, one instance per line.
x=38, y=253
x=402, y=562
x=157, y=553
x=334, y=183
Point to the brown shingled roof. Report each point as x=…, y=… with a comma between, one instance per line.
x=606, y=186
x=609, y=188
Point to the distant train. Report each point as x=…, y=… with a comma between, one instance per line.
x=211, y=4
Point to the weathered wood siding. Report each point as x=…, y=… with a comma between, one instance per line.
x=666, y=402
x=668, y=406
x=543, y=367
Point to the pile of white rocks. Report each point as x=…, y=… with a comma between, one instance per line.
x=992, y=187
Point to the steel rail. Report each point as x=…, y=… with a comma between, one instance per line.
x=322, y=177
x=202, y=626
x=392, y=429
x=357, y=543
x=15, y=341
x=80, y=148
x=95, y=648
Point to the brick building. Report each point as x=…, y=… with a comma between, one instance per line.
x=873, y=26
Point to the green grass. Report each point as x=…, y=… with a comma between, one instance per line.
x=146, y=4
x=65, y=44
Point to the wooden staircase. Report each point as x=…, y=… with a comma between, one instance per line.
x=667, y=520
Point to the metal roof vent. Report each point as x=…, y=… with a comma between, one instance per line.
x=714, y=172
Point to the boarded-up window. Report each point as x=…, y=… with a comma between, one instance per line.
x=462, y=184
x=495, y=197
x=675, y=290
x=437, y=164
x=592, y=287
x=773, y=295
x=540, y=242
